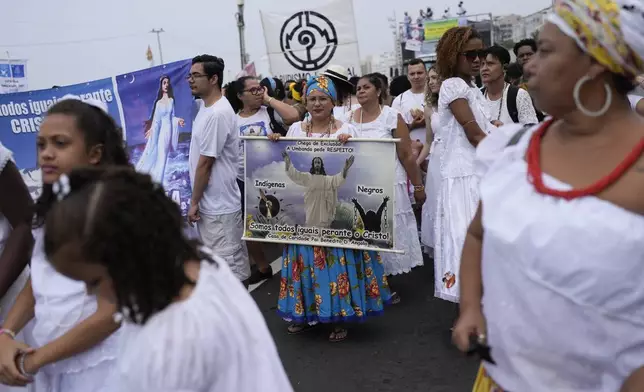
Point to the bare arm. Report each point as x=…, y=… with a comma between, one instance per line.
x=22, y=311
x=405, y=155
x=288, y=113
x=17, y=206
x=634, y=383
x=301, y=112
x=470, y=272
x=463, y=114
x=429, y=136
x=84, y=336
x=202, y=176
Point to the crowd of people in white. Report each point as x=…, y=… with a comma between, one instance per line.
x=102, y=290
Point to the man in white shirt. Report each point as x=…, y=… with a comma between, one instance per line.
x=411, y=103
x=215, y=205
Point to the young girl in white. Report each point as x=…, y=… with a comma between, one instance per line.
x=191, y=325
x=74, y=343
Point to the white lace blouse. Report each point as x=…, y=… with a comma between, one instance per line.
x=498, y=109
x=458, y=156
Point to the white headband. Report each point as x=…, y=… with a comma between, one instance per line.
x=90, y=101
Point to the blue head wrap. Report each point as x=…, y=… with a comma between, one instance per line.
x=322, y=84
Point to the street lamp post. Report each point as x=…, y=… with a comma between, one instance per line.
x=241, y=26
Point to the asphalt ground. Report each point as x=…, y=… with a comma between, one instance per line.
x=406, y=349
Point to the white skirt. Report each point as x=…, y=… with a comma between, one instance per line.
x=432, y=189
x=405, y=237
x=456, y=206
x=99, y=378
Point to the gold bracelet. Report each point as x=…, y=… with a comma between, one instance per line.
x=269, y=101
x=419, y=188
x=468, y=123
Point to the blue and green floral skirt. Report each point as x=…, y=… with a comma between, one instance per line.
x=331, y=285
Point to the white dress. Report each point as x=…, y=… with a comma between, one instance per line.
x=214, y=341
x=562, y=280
x=164, y=136
x=432, y=184
x=9, y=298
x=404, y=219
x=459, y=195
x=61, y=304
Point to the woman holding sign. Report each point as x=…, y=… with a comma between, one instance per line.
x=324, y=284
x=382, y=122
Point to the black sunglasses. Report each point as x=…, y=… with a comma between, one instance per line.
x=472, y=55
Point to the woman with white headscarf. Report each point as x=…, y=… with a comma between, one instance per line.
x=551, y=273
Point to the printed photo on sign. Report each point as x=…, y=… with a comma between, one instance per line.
x=22, y=113
x=320, y=192
x=157, y=109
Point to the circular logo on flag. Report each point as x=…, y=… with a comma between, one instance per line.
x=308, y=40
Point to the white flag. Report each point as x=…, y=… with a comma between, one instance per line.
x=13, y=76
x=305, y=42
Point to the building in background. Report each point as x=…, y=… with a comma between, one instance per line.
x=366, y=65
x=504, y=27
x=385, y=63
x=529, y=26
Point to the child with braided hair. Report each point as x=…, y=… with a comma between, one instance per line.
x=116, y=231
x=74, y=341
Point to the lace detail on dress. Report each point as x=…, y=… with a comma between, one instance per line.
x=525, y=107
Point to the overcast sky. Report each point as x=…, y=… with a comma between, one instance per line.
x=111, y=37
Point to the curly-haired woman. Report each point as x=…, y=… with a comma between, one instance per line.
x=464, y=122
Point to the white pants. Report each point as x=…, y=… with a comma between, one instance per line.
x=223, y=234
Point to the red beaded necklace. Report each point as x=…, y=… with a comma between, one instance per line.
x=535, y=174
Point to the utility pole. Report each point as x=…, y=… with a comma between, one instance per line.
x=158, y=33
x=241, y=25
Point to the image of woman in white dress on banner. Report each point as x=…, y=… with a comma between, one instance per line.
x=161, y=133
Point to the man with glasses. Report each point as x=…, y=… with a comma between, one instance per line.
x=215, y=205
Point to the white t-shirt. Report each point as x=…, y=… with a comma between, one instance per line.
x=259, y=124
x=405, y=103
x=341, y=112
x=215, y=134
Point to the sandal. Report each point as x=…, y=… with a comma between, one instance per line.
x=296, y=329
x=395, y=298
x=338, y=335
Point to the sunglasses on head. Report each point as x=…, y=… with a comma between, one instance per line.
x=472, y=55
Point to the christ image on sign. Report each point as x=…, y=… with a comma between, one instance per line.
x=321, y=195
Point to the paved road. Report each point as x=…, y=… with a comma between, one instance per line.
x=408, y=349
